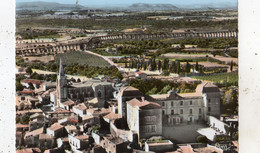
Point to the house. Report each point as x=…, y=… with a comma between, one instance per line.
x=73, y=120
x=78, y=142
x=36, y=83
x=114, y=144
x=32, y=138
x=144, y=118
x=71, y=129
x=98, y=112
x=140, y=75
x=29, y=150
x=36, y=124
x=159, y=146
x=90, y=120
x=22, y=127
x=46, y=141
x=111, y=117
x=22, y=103
x=80, y=109
x=60, y=113
x=56, y=130
x=68, y=104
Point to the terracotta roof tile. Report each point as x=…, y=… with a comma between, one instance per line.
x=55, y=126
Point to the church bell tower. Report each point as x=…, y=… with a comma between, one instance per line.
x=61, y=85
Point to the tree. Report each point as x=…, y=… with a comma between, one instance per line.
x=231, y=66
x=145, y=65
x=178, y=67
x=165, y=89
x=202, y=139
x=166, y=64
x=28, y=70
x=187, y=69
x=19, y=86
x=152, y=91
x=159, y=65
x=197, y=66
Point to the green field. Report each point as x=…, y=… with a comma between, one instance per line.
x=231, y=78
x=82, y=58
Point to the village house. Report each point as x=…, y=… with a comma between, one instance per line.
x=160, y=146
x=32, y=138
x=36, y=83
x=60, y=113
x=22, y=103
x=79, y=142
x=111, y=117
x=90, y=120
x=68, y=104
x=36, y=124
x=46, y=141
x=56, y=130
x=73, y=120
x=114, y=144
x=80, y=109
x=71, y=129
x=29, y=150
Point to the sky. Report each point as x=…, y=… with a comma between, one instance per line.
x=128, y=2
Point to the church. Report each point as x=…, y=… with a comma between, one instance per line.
x=68, y=92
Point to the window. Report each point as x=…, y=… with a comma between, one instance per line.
x=153, y=128
x=190, y=102
x=209, y=109
x=181, y=102
x=190, y=111
x=181, y=111
x=163, y=104
x=172, y=112
x=208, y=100
x=200, y=111
x=163, y=112
x=190, y=119
x=172, y=103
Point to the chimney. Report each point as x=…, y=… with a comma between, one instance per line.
x=142, y=99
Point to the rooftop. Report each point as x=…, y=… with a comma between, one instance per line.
x=55, y=126
x=144, y=104
x=35, y=132
x=112, y=116
x=33, y=81
x=130, y=91
x=45, y=136
x=60, y=110
x=81, y=106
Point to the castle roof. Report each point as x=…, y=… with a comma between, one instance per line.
x=130, y=91
x=144, y=104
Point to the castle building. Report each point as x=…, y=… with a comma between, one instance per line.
x=148, y=117
x=144, y=118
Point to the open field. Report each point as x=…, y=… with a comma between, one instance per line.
x=219, y=78
x=82, y=58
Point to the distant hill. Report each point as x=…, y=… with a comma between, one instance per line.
x=47, y=6
x=151, y=7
